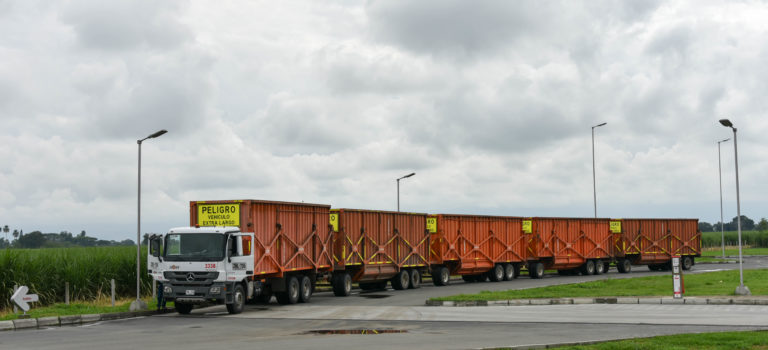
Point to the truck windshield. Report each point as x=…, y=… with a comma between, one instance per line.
x=195, y=247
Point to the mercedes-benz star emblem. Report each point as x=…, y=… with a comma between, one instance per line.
x=190, y=277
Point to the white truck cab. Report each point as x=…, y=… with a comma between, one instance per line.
x=203, y=265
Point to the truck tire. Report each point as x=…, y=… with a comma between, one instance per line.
x=536, y=270
x=305, y=289
x=342, y=284
x=441, y=276
x=599, y=268
x=687, y=262
x=509, y=272
x=468, y=278
x=517, y=269
x=624, y=266
x=238, y=300
x=415, y=279
x=496, y=274
x=291, y=293
x=606, y=266
x=183, y=308
x=588, y=268
x=401, y=280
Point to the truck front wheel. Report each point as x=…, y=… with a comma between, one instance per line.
x=238, y=300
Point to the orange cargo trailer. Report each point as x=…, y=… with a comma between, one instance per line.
x=476, y=247
x=653, y=242
x=290, y=240
x=374, y=247
x=570, y=245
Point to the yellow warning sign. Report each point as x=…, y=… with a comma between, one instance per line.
x=218, y=214
x=432, y=225
x=616, y=226
x=527, y=226
x=334, y=221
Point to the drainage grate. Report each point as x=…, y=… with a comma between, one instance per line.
x=357, y=331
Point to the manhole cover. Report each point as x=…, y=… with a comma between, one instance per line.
x=357, y=331
x=374, y=296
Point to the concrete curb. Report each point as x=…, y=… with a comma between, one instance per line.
x=70, y=320
x=606, y=300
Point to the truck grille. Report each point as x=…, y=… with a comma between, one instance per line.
x=191, y=277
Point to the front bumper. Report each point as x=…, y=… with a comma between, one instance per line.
x=196, y=294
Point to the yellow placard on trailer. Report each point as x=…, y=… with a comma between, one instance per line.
x=334, y=221
x=615, y=226
x=218, y=214
x=527, y=226
x=432, y=225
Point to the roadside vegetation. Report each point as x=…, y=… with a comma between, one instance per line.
x=81, y=308
x=87, y=270
x=720, y=283
x=748, y=340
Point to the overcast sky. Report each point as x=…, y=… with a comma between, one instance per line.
x=491, y=103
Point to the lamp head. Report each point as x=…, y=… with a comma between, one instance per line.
x=159, y=133
x=726, y=123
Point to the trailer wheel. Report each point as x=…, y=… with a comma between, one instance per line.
x=509, y=272
x=306, y=289
x=291, y=293
x=687, y=262
x=415, y=279
x=342, y=284
x=536, y=270
x=238, y=300
x=606, y=267
x=468, y=278
x=599, y=268
x=183, y=308
x=496, y=274
x=588, y=268
x=401, y=280
x=517, y=269
x=441, y=276
x=624, y=266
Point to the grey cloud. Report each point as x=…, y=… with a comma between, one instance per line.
x=121, y=25
x=455, y=27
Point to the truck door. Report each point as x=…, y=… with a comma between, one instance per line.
x=240, y=258
x=154, y=253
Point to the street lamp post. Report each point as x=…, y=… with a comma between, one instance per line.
x=720, y=176
x=741, y=289
x=398, y=188
x=138, y=304
x=594, y=182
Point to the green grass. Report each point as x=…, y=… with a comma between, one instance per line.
x=61, y=309
x=713, y=260
x=88, y=271
x=753, y=340
x=734, y=251
x=720, y=283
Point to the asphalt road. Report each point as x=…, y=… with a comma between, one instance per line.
x=295, y=327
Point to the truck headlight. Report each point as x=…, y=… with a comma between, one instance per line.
x=215, y=290
x=168, y=289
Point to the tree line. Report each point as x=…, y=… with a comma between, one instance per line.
x=63, y=239
x=747, y=224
